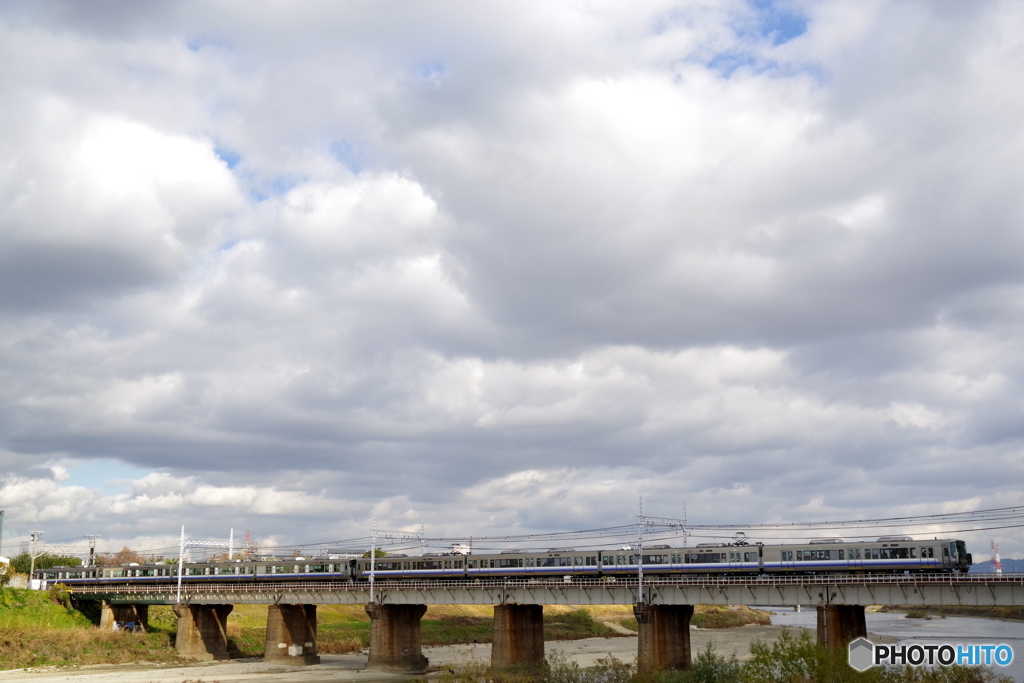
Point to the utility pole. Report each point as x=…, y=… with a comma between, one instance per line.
x=92, y=549
x=640, y=556
x=373, y=555
x=32, y=553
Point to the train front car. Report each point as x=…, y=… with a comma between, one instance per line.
x=884, y=555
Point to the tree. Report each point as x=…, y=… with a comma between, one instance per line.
x=376, y=553
x=23, y=563
x=123, y=556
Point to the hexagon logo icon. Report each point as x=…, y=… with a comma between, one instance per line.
x=862, y=654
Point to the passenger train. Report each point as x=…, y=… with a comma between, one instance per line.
x=887, y=555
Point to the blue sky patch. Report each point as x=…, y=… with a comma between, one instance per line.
x=431, y=71
x=227, y=156
x=108, y=475
x=779, y=24
x=344, y=153
x=725, y=63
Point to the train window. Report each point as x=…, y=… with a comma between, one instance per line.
x=564, y=561
x=529, y=562
x=945, y=551
x=899, y=553
x=471, y=564
x=926, y=552
x=841, y=553
x=577, y=561
x=913, y=553
x=620, y=559
x=874, y=553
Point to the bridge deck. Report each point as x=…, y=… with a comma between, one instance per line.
x=918, y=590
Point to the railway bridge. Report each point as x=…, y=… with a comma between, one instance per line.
x=663, y=607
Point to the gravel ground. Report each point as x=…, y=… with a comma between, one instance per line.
x=351, y=667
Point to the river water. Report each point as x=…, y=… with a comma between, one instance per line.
x=952, y=630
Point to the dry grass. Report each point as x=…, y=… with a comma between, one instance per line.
x=40, y=645
x=713, y=616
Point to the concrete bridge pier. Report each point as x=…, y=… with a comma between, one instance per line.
x=291, y=635
x=518, y=639
x=839, y=624
x=395, y=643
x=664, y=637
x=112, y=615
x=202, y=631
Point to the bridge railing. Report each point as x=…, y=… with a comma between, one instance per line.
x=591, y=583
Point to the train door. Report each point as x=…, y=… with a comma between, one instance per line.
x=734, y=561
x=853, y=559
x=786, y=560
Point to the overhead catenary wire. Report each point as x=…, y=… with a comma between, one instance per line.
x=656, y=530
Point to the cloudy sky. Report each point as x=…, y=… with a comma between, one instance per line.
x=498, y=266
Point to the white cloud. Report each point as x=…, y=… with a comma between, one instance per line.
x=488, y=266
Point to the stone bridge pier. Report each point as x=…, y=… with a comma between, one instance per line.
x=395, y=643
x=518, y=640
x=839, y=624
x=113, y=615
x=291, y=635
x=664, y=637
x=202, y=631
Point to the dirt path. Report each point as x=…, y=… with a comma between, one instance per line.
x=613, y=624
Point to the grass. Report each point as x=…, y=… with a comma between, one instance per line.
x=32, y=609
x=713, y=616
x=990, y=612
x=36, y=631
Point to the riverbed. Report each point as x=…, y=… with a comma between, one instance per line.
x=882, y=627
x=937, y=630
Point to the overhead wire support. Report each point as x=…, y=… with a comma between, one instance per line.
x=640, y=556
x=185, y=544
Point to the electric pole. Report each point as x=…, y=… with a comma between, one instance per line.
x=92, y=550
x=32, y=553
